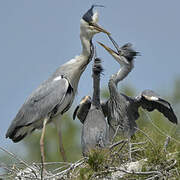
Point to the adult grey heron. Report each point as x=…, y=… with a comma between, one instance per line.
x=55, y=96
x=122, y=110
x=95, y=127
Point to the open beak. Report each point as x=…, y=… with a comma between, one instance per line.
x=114, y=43
x=112, y=52
x=109, y=50
x=100, y=29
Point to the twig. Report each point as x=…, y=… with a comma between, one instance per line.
x=62, y=167
x=72, y=166
x=5, y=176
x=172, y=165
x=157, y=128
x=20, y=160
x=130, y=148
x=52, y=163
x=114, y=169
x=136, y=150
x=152, y=142
x=153, y=177
x=137, y=173
x=14, y=156
x=7, y=168
x=122, y=146
x=177, y=172
x=115, y=133
x=166, y=143
x=116, y=144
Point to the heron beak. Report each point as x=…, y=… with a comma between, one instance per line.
x=109, y=50
x=100, y=29
x=114, y=43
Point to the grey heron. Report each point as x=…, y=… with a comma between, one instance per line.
x=95, y=127
x=55, y=95
x=122, y=109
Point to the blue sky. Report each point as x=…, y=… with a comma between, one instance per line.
x=36, y=37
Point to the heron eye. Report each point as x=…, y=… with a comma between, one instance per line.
x=90, y=24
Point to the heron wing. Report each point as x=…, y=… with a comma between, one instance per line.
x=104, y=106
x=82, y=109
x=151, y=101
x=40, y=104
x=75, y=112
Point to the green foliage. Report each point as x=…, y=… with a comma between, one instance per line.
x=97, y=162
x=147, y=148
x=85, y=173
x=156, y=129
x=96, y=159
x=105, y=94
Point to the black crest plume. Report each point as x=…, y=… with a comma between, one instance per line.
x=88, y=15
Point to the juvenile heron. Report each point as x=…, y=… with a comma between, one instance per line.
x=55, y=96
x=122, y=110
x=95, y=127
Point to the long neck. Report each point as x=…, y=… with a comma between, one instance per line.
x=86, y=55
x=96, y=87
x=74, y=68
x=83, y=59
x=86, y=46
x=116, y=78
x=121, y=74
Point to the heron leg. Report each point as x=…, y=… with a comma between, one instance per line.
x=42, y=146
x=57, y=123
x=61, y=147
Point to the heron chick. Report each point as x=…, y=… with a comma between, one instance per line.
x=122, y=109
x=55, y=95
x=95, y=127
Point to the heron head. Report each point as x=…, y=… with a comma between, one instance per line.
x=89, y=23
x=124, y=55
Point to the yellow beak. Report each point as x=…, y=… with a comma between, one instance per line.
x=112, y=52
x=99, y=28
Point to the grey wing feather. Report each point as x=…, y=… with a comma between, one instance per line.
x=82, y=110
x=75, y=112
x=39, y=104
x=151, y=101
x=104, y=106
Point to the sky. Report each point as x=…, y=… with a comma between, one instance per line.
x=36, y=37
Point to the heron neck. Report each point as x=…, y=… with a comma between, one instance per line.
x=86, y=45
x=116, y=78
x=96, y=87
x=121, y=74
x=75, y=67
